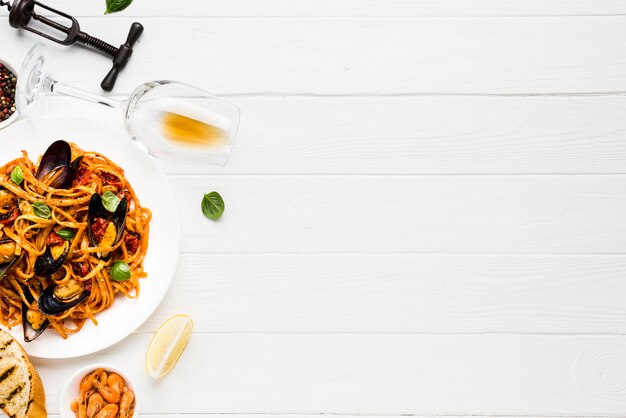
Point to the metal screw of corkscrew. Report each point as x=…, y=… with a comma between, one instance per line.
x=22, y=11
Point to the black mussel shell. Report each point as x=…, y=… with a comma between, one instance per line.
x=57, y=157
x=51, y=304
x=30, y=330
x=74, y=166
x=97, y=210
x=58, y=165
x=7, y=263
x=46, y=265
x=6, y=216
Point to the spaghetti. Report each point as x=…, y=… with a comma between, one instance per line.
x=46, y=224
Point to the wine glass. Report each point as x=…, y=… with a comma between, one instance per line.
x=168, y=119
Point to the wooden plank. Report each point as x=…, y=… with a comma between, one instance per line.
x=413, y=135
x=357, y=56
x=352, y=8
x=373, y=374
x=398, y=294
x=405, y=214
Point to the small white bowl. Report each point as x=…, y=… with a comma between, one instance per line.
x=14, y=116
x=71, y=389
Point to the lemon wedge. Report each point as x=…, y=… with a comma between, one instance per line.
x=167, y=345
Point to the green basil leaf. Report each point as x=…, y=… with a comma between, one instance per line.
x=41, y=209
x=67, y=234
x=120, y=271
x=110, y=201
x=17, y=176
x=213, y=205
x=114, y=6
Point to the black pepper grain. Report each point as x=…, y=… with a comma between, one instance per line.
x=8, y=81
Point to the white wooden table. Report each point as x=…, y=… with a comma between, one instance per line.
x=426, y=205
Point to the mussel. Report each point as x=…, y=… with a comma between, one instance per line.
x=8, y=207
x=8, y=201
x=56, y=168
x=34, y=323
x=52, y=259
x=8, y=258
x=106, y=228
x=56, y=299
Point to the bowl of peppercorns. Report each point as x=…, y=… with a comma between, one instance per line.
x=8, y=81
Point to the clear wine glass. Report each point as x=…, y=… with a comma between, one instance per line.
x=170, y=120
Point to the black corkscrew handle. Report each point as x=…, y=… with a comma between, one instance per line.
x=121, y=57
x=22, y=12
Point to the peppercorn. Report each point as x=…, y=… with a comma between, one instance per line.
x=8, y=81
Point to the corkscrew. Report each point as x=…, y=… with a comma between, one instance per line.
x=22, y=11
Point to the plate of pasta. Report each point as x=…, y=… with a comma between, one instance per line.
x=89, y=236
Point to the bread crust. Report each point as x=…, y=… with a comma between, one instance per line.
x=37, y=408
x=37, y=397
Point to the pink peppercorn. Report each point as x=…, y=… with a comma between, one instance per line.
x=8, y=81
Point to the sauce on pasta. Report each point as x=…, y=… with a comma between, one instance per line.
x=26, y=234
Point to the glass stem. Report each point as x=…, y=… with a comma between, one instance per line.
x=65, y=90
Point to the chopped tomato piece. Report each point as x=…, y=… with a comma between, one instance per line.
x=54, y=239
x=99, y=227
x=87, y=285
x=111, y=180
x=82, y=268
x=124, y=194
x=131, y=241
x=82, y=177
x=10, y=218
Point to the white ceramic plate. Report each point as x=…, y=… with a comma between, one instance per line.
x=126, y=315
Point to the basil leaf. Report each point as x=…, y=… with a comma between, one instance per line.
x=114, y=6
x=41, y=209
x=120, y=271
x=213, y=205
x=67, y=234
x=110, y=201
x=17, y=176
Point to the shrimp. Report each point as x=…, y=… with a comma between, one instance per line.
x=109, y=394
x=116, y=382
x=127, y=403
x=82, y=411
x=87, y=382
x=74, y=405
x=103, y=377
x=109, y=411
x=94, y=405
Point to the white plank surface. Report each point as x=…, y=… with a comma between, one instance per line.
x=399, y=294
x=415, y=135
x=425, y=206
x=358, y=56
x=374, y=374
x=405, y=214
x=352, y=8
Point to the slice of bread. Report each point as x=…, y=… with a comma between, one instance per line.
x=21, y=390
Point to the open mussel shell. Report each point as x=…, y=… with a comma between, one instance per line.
x=8, y=259
x=97, y=210
x=56, y=168
x=47, y=265
x=34, y=323
x=8, y=201
x=56, y=299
